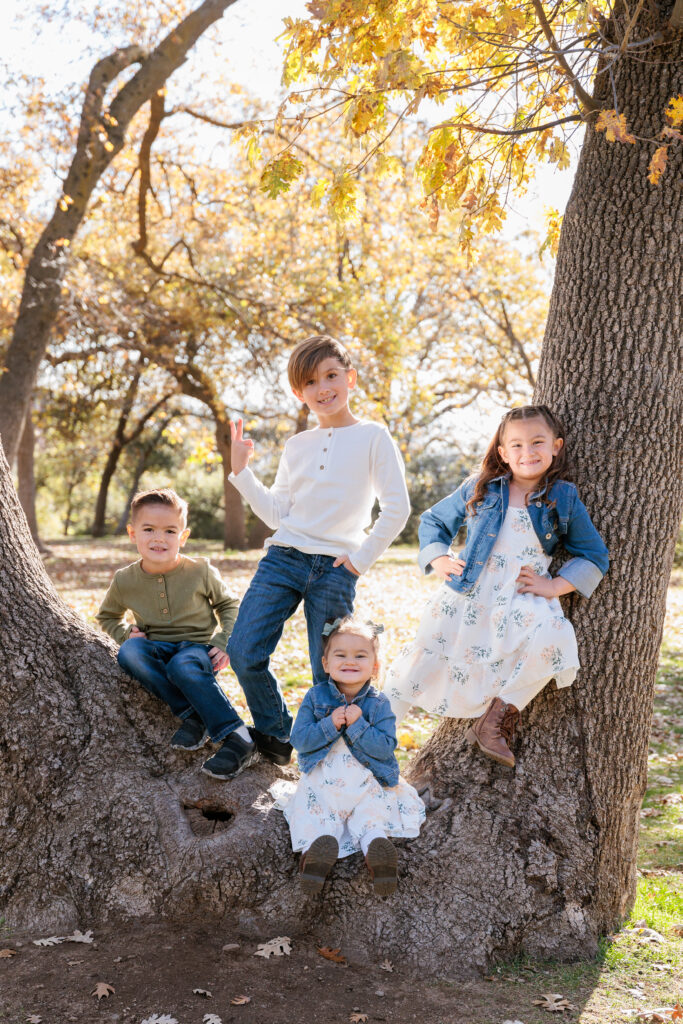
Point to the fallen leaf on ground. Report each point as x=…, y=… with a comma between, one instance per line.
x=335, y=955
x=240, y=1000
x=660, y=1014
x=4, y=953
x=211, y=1018
x=358, y=1018
x=51, y=940
x=74, y=963
x=676, y=930
x=553, y=1002
x=231, y=947
x=34, y=1019
x=386, y=965
x=77, y=936
x=164, y=1018
x=275, y=947
x=635, y=992
x=201, y=992
x=651, y=812
x=102, y=990
x=644, y=934
x=513, y=1022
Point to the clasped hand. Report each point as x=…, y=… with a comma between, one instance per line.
x=345, y=715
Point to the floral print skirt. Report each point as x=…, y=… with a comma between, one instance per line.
x=342, y=798
x=491, y=642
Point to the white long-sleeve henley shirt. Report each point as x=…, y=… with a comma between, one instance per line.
x=322, y=499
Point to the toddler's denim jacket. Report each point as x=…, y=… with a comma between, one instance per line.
x=564, y=521
x=371, y=738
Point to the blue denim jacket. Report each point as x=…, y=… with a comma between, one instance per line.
x=371, y=738
x=565, y=521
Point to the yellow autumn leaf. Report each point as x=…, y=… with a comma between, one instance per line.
x=658, y=164
x=614, y=126
x=674, y=111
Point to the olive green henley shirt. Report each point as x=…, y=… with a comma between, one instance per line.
x=186, y=603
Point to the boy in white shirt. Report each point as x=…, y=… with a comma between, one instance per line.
x=319, y=506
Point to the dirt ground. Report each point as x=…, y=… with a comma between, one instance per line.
x=154, y=967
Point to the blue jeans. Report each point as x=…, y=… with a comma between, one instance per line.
x=181, y=674
x=285, y=577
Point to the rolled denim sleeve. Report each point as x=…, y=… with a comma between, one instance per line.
x=308, y=734
x=439, y=526
x=377, y=740
x=591, y=558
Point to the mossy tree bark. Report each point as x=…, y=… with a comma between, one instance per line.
x=99, y=817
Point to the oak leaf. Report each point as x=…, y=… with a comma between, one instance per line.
x=335, y=955
x=280, y=946
x=358, y=1018
x=156, y=1018
x=211, y=1018
x=240, y=1000
x=51, y=940
x=674, y=111
x=386, y=965
x=34, y=1019
x=553, y=1002
x=201, y=992
x=86, y=937
x=614, y=126
x=4, y=953
x=102, y=990
x=658, y=164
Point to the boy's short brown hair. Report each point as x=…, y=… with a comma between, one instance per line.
x=309, y=354
x=159, y=496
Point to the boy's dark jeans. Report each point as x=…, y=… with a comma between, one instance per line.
x=285, y=577
x=181, y=674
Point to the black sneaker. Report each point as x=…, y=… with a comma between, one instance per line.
x=277, y=751
x=191, y=735
x=233, y=757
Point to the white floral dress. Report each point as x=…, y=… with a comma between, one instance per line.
x=342, y=798
x=490, y=642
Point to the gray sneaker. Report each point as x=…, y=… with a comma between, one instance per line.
x=191, y=735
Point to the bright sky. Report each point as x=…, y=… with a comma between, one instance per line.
x=246, y=36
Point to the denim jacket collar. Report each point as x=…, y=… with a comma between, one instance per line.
x=507, y=477
x=337, y=692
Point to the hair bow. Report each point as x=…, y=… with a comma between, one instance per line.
x=330, y=627
x=376, y=627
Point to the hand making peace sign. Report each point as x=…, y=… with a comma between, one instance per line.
x=242, y=448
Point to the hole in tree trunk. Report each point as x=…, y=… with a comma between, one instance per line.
x=206, y=818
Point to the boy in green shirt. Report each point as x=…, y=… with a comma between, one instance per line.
x=175, y=648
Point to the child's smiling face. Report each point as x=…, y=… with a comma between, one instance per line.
x=350, y=661
x=529, y=447
x=159, y=533
x=326, y=392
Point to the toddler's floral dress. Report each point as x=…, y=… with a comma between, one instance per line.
x=340, y=797
x=490, y=642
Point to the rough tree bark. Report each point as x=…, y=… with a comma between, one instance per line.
x=99, y=817
x=101, y=136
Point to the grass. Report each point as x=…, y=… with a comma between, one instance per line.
x=633, y=971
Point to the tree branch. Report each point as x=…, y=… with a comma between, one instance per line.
x=584, y=98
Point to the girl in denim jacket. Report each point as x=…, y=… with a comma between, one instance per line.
x=350, y=796
x=494, y=634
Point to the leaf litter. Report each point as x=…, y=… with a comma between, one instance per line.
x=280, y=946
x=102, y=990
x=335, y=955
x=554, y=1002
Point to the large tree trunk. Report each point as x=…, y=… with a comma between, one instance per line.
x=26, y=480
x=234, y=530
x=100, y=817
x=101, y=136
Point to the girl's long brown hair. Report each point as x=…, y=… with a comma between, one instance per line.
x=492, y=465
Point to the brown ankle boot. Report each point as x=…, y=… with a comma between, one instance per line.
x=493, y=729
